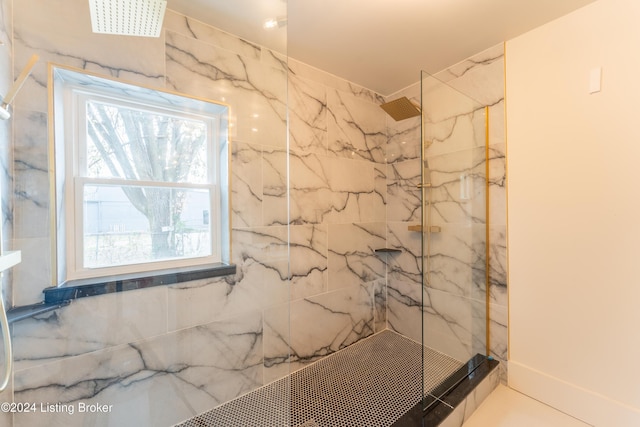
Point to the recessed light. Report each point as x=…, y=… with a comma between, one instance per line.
x=272, y=23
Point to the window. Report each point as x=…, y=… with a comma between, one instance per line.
x=140, y=175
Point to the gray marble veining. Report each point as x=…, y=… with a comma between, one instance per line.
x=306, y=217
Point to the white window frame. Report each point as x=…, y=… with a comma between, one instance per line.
x=74, y=105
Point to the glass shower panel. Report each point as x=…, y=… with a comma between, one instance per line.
x=157, y=355
x=454, y=212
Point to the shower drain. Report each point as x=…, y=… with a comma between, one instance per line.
x=371, y=383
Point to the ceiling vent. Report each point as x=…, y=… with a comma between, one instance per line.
x=127, y=17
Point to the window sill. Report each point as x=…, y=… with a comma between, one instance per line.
x=100, y=286
x=24, y=312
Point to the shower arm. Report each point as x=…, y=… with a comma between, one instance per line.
x=17, y=85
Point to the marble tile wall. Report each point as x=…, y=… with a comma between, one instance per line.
x=454, y=299
x=308, y=282
x=6, y=160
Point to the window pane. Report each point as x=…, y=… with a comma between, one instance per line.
x=144, y=145
x=133, y=224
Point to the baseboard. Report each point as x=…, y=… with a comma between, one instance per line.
x=586, y=405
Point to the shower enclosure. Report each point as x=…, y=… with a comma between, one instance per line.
x=352, y=245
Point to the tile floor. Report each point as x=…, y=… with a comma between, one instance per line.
x=506, y=407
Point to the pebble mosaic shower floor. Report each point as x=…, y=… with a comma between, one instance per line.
x=371, y=383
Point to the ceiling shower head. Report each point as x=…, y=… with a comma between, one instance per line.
x=401, y=108
x=127, y=17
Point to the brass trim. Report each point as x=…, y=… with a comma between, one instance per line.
x=506, y=172
x=53, y=215
x=487, y=272
x=430, y=229
x=425, y=185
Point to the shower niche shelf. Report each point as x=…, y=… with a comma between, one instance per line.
x=387, y=251
x=418, y=228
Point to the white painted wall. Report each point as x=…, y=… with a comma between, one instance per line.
x=574, y=213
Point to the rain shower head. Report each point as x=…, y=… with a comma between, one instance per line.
x=401, y=108
x=127, y=17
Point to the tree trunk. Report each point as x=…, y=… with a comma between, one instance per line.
x=160, y=223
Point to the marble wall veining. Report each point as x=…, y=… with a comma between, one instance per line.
x=454, y=301
x=6, y=160
x=311, y=199
x=306, y=217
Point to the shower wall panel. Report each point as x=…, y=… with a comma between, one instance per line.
x=6, y=166
x=454, y=302
x=308, y=282
x=337, y=215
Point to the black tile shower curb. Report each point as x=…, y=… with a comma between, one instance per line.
x=432, y=411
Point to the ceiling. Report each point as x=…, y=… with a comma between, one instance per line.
x=379, y=44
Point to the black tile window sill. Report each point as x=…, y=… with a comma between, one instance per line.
x=91, y=287
x=59, y=296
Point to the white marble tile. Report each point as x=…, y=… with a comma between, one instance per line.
x=326, y=323
x=349, y=312
x=246, y=185
x=31, y=199
x=452, y=121
x=457, y=193
x=498, y=185
x=404, y=308
x=70, y=41
x=154, y=382
x=90, y=324
x=31, y=175
x=380, y=305
x=308, y=260
x=480, y=77
x=307, y=116
x=404, y=280
x=262, y=262
x=330, y=190
x=499, y=315
x=457, y=260
x=204, y=301
x=277, y=342
x=6, y=31
x=306, y=71
x=275, y=191
x=406, y=265
x=404, y=139
x=6, y=154
x=190, y=27
x=375, y=203
x=256, y=93
x=33, y=274
x=404, y=198
x=454, y=325
x=356, y=129
x=498, y=265
x=352, y=260
x=497, y=123
x=163, y=380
